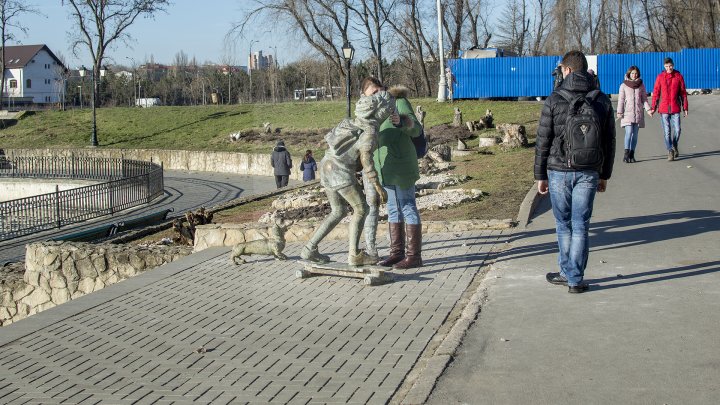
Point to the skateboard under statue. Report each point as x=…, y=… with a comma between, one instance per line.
x=371, y=275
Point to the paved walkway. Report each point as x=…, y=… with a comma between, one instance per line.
x=268, y=337
x=648, y=331
x=184, y=191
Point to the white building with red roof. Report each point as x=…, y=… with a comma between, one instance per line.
x=33, y=75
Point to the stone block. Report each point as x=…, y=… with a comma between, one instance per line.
x=45, y=306
x=37, y=297
x=85, y=268
x=4, y=315
x=86, y=285
x=32, y=277
x=99, y=285
x=72, y=285
x=137, y=262
x=57, y=280
x=485, y=142
x=45, y=283
x=69, y=271
x=22, y=291
x=6, y=299
x=50, y=259
x=112, y=279
x=99, y=262
x=60, y=295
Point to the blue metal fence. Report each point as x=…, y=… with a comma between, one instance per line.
x=532, y=76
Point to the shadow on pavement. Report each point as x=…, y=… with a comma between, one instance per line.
x=666, y=274
x=625, y=232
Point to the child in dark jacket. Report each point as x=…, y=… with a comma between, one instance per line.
x=308, y=166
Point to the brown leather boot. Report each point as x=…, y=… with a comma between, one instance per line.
x=397, y=244
x=414, y=248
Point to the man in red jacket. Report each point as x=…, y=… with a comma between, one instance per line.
x=669, y=97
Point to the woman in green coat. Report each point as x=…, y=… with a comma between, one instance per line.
x=397, y=167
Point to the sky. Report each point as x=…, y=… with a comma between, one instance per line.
x=196, y=27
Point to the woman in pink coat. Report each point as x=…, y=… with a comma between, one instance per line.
x=632, y=99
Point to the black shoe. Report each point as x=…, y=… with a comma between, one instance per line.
x=625, y=157
x=631, y=157
x=577, y=289
x=676, y=154
x=556, y=278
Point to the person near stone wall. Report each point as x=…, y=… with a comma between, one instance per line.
x=281, y=162
x=308, y=166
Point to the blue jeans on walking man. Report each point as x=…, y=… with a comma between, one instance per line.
x=669, y=120
x=572, y=195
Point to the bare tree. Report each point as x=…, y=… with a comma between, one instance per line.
x=453, y=17
x=478, y=17
x=406, y=21
x=515, y=31
x=373, y=16
x=10, y=12
x=542, y=22
x=102, y=22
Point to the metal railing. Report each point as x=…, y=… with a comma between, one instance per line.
x=126, y=183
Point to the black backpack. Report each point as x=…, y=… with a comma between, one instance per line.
x=583, y=131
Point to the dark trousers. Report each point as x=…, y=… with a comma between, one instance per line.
x=281, y=181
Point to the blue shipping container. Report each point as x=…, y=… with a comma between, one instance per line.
x=532, y=76
x=503, y=77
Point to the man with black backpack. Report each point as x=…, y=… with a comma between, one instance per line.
x=574, y=153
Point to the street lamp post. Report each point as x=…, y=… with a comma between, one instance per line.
x=80, y=87
x=348, y=52
x=83, y=72
x=441, y=84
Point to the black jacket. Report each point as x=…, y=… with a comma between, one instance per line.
x=281, y=161
x=550, y=150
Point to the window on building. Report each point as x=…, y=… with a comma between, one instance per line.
x=28, y=83
x=13, y=84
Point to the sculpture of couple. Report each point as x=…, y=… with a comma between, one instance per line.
x=350, y=149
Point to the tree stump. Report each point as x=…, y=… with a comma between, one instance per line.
x=457, y=118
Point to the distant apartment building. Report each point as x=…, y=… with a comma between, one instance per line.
x=258, y=61
x=33, y=75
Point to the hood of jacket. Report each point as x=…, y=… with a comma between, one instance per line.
x=278, y=148
x=580, y=82
x=371, y=111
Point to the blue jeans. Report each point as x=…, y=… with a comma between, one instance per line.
x=572, y=195
x=674, y=120
x=631, y=136
x=401, y=205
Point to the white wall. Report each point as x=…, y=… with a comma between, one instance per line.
x=21, y=188
x=47, y=84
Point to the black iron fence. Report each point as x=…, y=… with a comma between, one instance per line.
x=124, y=184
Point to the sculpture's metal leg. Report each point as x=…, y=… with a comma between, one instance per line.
x=339, y=210
x=371, y=221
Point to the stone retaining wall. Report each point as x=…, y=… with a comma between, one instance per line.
x=230, y=234
x=188, y=160
x=57, y=272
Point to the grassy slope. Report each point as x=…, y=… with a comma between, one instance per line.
x=506, y=176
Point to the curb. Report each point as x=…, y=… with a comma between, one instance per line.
x=436, y=363
x=528, y=206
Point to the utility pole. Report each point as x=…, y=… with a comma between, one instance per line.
x=441, y=84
